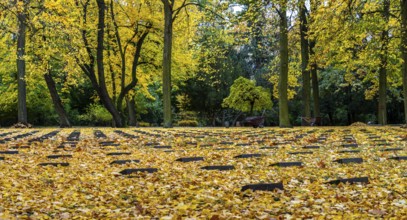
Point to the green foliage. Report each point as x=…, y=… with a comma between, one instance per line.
x=188, y=123
x=96, y=115
x=245, y=96
x=143, y=124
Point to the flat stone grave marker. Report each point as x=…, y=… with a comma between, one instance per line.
x=311, y=147
x=44, y=137
x=1, y=158
x=121, y=162
x=206, y=145
x=99, y=134
x=162, y=147
x=226, y=143
x=399, y=158
x=287, y=164
x=225, y=167
x=130, y=171
x=350, y=180
x=349, y=160
x=190, y=159
x=263, y=187
x=20, y=147
x=74, y=136
x=393, y=149
x=54, y=164
x=243, y=144
x=223, y=149
x=59, y=156
x=108, y=143
x=9, y=152
x=350, y=145
x=126, y=134
x=118, y=153
x=5, y=134
x=349, y=151
x=169, y=151
x=249, y=155
x=301, y=152
x=269, y=147
x=151, y=143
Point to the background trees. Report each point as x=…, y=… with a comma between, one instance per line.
x=128, y=62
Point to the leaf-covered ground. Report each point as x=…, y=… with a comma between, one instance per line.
x=89, y=186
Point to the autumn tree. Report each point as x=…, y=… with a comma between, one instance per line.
x=245, y=96
x=283, y=77
x=403, y=7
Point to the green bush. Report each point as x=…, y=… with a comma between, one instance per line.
x=188, y=123
x=143, y=124
x=97, y=115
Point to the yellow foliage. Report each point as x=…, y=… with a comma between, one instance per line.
x=93, y=188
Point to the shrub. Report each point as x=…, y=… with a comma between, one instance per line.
x=97, y=115
x=143, y=124
x=188, y=123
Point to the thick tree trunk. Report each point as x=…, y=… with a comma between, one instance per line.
x=382, y=113
x=315, y=83
x=103, y=93
x=283, y=82
x=306, y=87
x=403, y=5
x=131, y=108
x=168, y=22
x=21, y=40
x=59, y=108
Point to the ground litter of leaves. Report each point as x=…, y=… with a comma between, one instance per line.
x=78, y=173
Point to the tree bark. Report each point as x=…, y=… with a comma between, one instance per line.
x=306, y=87
x=102, y=91
x=382, y=113
x=59, y=108
x=283, y=81
x=131, y=107
x=21, y=42
x=403, y=6
x=168, y=22
x=314, y=68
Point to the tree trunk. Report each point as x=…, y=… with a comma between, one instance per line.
x=306, y=87
x=59, y=108
x=315, y=84
x=103, y=94
x=21, y=40
x=283, y=82
x=382, y=113
x=251, y=107
x=403, y=5
x=131, y=107
x=168, y=22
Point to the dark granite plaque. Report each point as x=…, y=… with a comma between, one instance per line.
x=190, y=159
x=287, y=164
x=130, y=171
x=9, y=152
x=349, y=160
x=226, y=167
x=350, y=180
x=263, y=187
x=124, y=161
x=59, y=156
x=54, y=164
x=248, y=155
x=118, y=153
